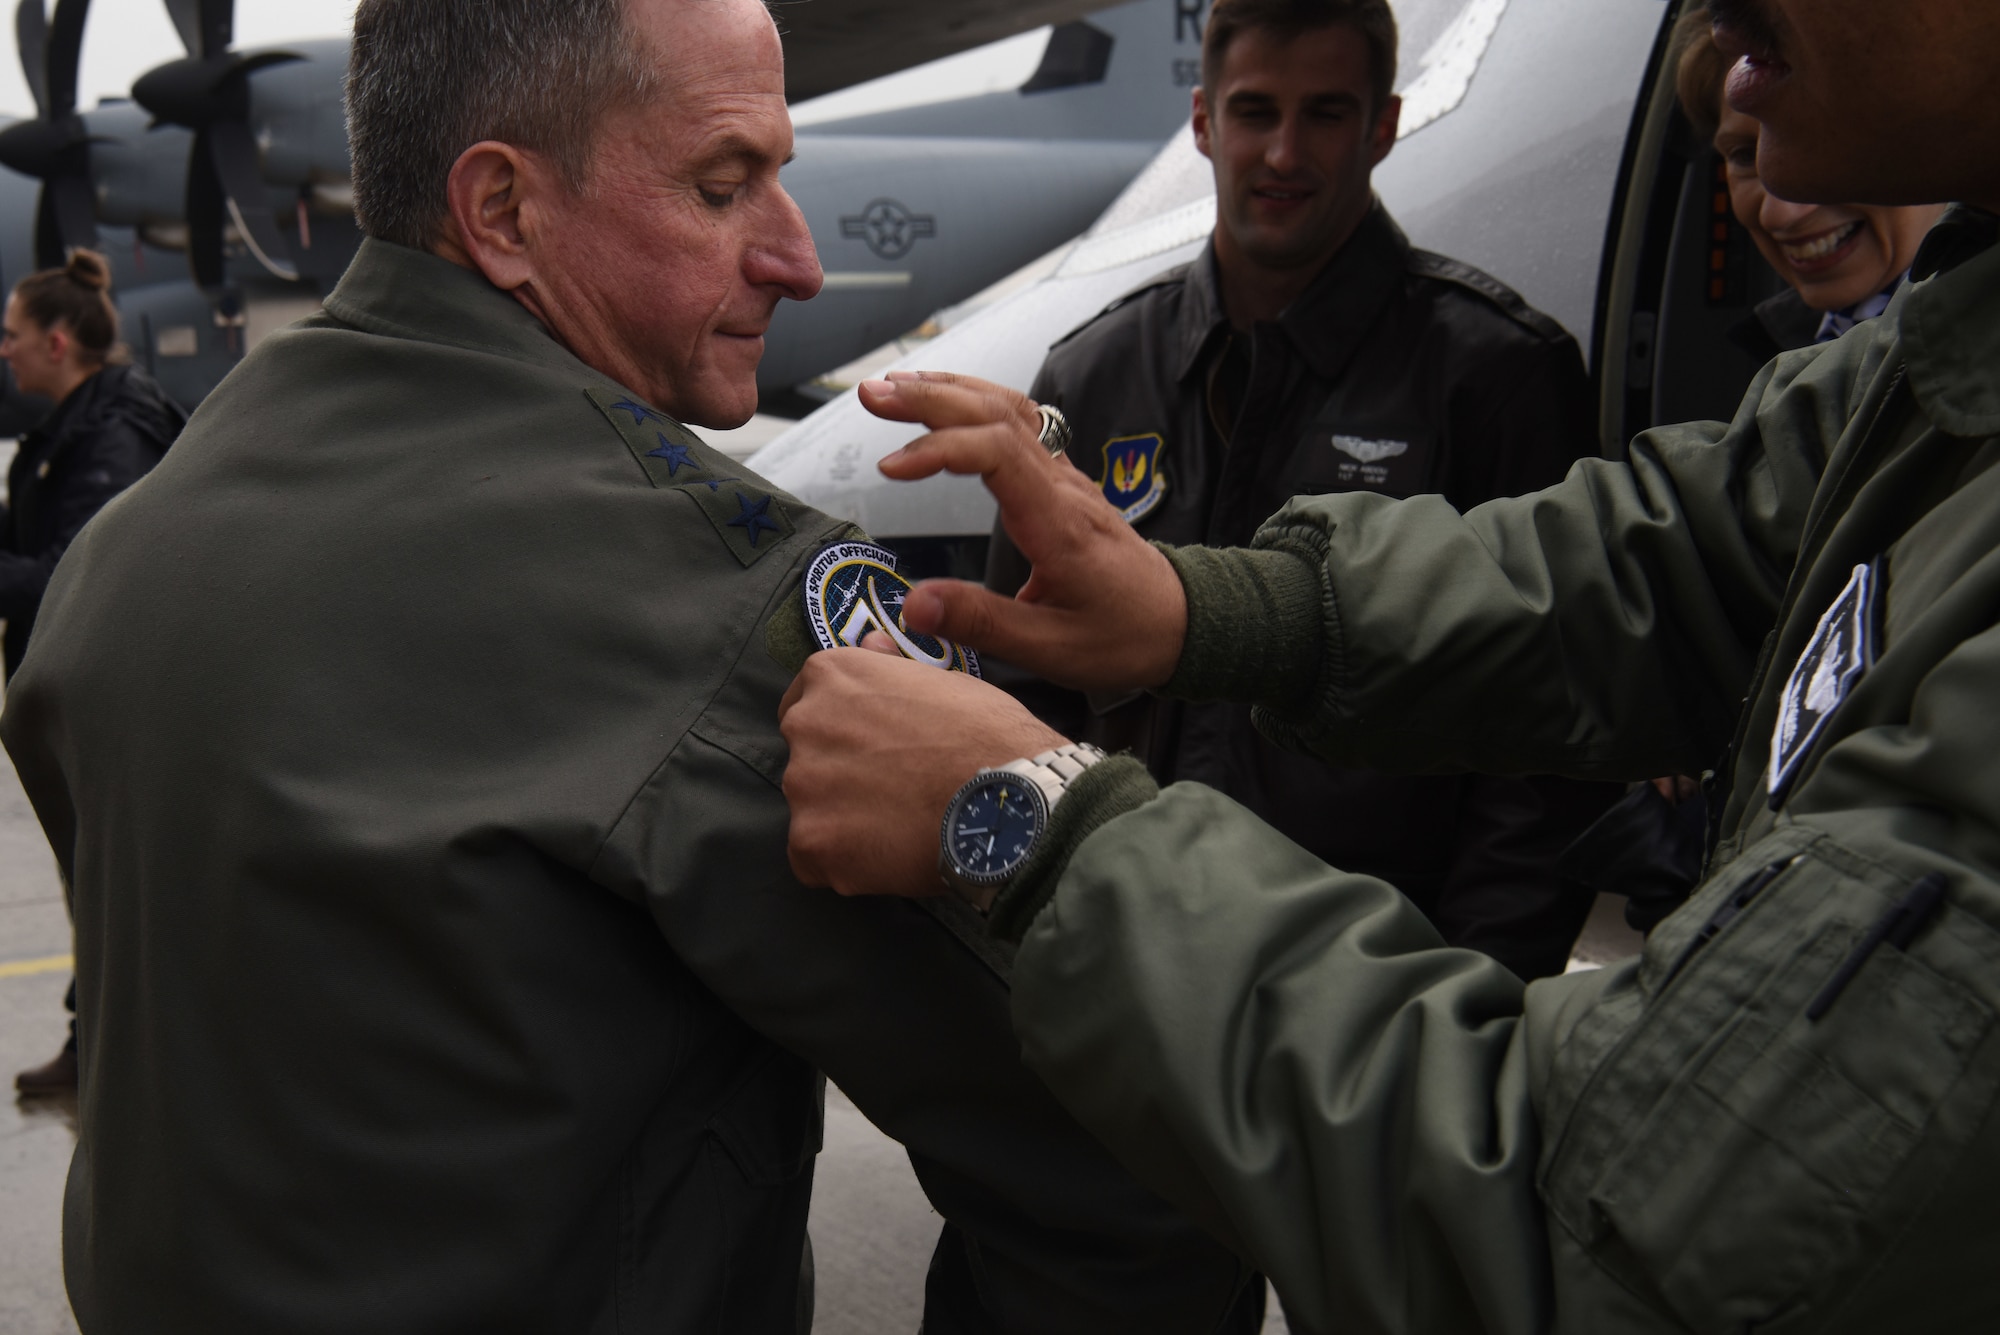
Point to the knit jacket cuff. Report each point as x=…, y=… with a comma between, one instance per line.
x=1102, y=793
x=1256, y=627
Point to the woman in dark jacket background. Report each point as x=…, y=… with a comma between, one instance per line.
x=110, y=425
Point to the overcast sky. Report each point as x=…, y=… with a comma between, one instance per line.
x=124, y=38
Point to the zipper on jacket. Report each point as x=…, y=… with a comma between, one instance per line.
x=1729, y=911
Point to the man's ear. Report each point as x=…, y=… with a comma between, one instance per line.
x=1382, y=135
x=495, y=197
x=1201, y=125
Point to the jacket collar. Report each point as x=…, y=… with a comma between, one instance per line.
x=1951, y=325
x=1331, y=317
x=405, y=293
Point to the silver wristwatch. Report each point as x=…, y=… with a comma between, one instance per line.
x=998, y=819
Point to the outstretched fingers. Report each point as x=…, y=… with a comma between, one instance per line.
x=938, y=399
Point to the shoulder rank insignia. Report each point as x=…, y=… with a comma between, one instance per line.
x=853, y=588
x=1841, y=650
x=750, y=518
x=1132, y=479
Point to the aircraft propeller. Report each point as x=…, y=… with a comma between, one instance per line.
x=208, y=92
x=54, y=147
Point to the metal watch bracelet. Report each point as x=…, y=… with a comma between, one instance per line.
x=1053, y=771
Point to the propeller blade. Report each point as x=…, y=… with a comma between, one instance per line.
x=186, y=15
x=48, y=232
x=207, y=212
x=65, y=52
x=75, y=204
x=218, y=26
x=236, y=167
x=31, y=35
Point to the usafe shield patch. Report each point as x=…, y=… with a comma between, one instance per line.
x=750, y=519
x=853, y=588
x=1842, y=649
x=1132, y=478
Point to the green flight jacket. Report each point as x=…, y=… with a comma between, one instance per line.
x=409, y=745
x=1781, y=1117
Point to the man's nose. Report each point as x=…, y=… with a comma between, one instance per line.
x=1282, y=153
x=785, y=257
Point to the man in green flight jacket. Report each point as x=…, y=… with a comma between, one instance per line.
x=1782, y=1116
x=409, y=745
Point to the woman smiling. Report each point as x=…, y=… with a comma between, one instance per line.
x=1843, y=262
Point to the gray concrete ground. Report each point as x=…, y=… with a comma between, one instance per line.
x=35, y=1139
x=872, y=1228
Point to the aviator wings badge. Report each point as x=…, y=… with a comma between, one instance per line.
x=853, y=588
x=1132, y=479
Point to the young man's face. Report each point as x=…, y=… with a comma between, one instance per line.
x=1873, y=101
x=1288, y=125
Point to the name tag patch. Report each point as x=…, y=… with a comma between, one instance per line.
x=1842, y=649
x=853, y=588
x=1132, y=480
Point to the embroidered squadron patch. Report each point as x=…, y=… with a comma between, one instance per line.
x=1132, y=479
x=853, y=588
x=1841, y=650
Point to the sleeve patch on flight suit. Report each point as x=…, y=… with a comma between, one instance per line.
x=853, y=588
x=1132, y=480
x=1842, y=649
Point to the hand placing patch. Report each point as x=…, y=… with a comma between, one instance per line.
x=853, y=588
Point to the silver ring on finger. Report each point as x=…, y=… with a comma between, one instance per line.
x=1055, y=434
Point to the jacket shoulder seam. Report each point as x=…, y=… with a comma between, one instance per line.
x=1171, y=278
x=1468, y=278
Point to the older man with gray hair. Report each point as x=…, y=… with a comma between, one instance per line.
x=409, y=745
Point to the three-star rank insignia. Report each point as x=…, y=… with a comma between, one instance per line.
x=750, y=518
x=853, y=588
x=1132, y=480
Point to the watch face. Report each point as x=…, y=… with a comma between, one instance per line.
x=993, y=827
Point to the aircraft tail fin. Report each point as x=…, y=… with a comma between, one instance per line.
x=1124, y=73
x=1134, y=65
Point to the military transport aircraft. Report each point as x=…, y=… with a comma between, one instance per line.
x=917, y=209
x=1540, y=141
x=221, y=189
